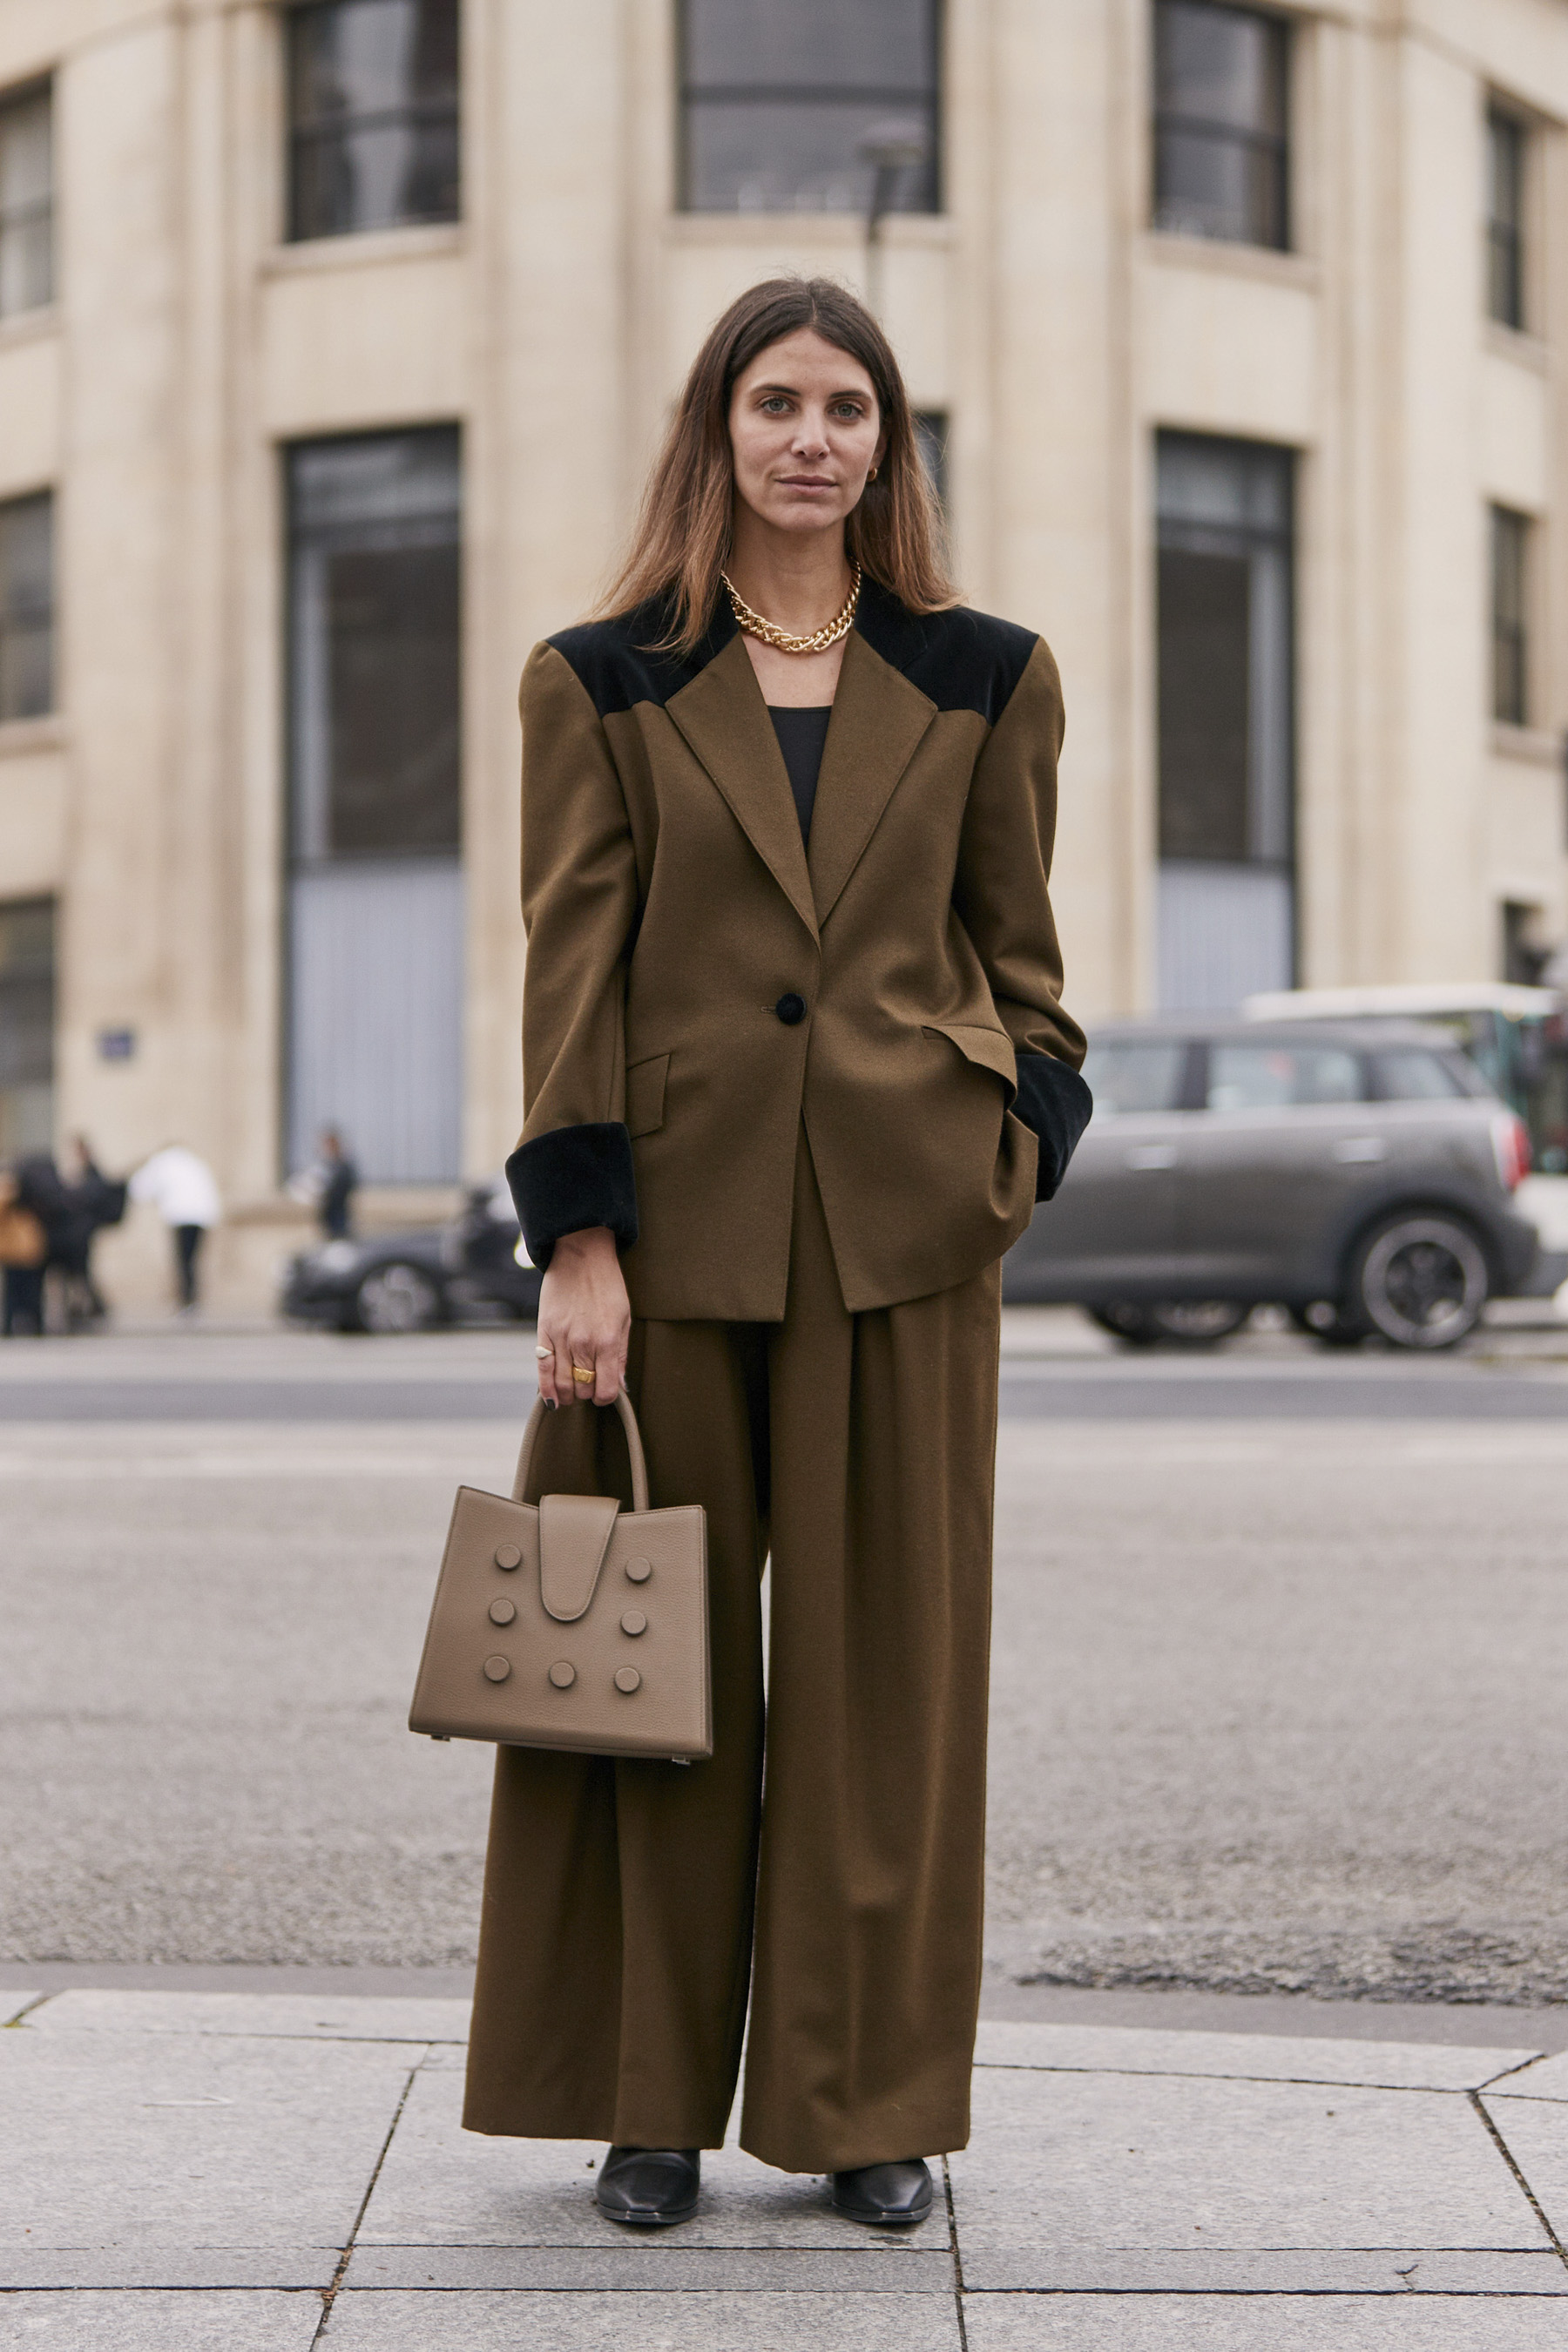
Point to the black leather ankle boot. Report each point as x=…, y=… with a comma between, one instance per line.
x=886, y=2196
x=649, y=2188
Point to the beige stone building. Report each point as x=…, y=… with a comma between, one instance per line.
x=334, y=339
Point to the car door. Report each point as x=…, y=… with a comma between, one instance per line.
x=1285, y=1141
x=1113, y=1223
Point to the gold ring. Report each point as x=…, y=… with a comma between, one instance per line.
x=584, y=1372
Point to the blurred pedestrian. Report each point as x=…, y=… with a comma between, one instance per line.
x=31, y=1201
x=329, y=1184
x=92, y=1200
x=793, y=1040
x=184, y=1191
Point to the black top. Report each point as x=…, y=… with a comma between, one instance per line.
x=802, y=734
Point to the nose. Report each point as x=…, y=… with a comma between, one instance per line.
x=810, y=438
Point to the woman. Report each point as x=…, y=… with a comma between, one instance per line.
x=796, y=1072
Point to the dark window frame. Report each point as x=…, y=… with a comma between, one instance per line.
x=297, y=535
x=30, y=1002
x=41, y=616
x=1512, y=563
x=323, y=132
x=928, y=101
x=1274, y=146
x=1507, y=228
x=18, y=218
x=1283, y=539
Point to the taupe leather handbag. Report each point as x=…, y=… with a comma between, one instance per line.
x=571, y=1624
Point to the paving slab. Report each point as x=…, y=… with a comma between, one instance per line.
x=659, y=2261
x=442, y=2186
x=168, y=2267
x=1251, y=2057
x=1204, y=2322
x=144, y=2140
x=1382, y=2269
x=161, y=2323
x=343, y=2017
x=647, y=2323
x=1535, y=2132
x=1111, y=2164
x=1547, y=2079
x=13, y=2002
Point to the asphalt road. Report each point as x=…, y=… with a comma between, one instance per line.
x=1278, y=1681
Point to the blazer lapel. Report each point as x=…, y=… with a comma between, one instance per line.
x=723, y=718
x=878, y=719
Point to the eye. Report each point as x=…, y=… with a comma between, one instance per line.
x=775, y=405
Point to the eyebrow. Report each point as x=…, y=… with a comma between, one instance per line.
x=848, y=391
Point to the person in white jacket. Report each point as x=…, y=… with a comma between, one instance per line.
x=184, y=1191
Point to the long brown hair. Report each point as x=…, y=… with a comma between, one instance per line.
x=681, y=539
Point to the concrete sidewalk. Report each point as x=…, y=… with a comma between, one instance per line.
x=236, y=2172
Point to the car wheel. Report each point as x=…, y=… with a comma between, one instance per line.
x=398, y=1298
x=1420, y=1279
x=1125, y=1321
x=1197, y=1322
x=1325, y=1320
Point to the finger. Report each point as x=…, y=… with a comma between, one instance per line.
x=547, y=1366
x=609, y=1368
x=577, y=1368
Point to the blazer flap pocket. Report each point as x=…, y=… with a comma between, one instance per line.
x=990, y=1049
x=644, y=1094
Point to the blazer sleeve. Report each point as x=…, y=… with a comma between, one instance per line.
x=1002, y=895
x=573, y=1165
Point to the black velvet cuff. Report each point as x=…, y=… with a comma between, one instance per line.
x=1057, y=1104
x=571, y=1178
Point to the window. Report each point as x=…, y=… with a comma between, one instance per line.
x=375, y=892
x=26, y=1027
x=1281, y=1077
x=1226, y=664
x=373, y=115
x=27, y=607
x=779, y=98
x=1407, y=1074
x=27, y=202
x=1510, y=617
x=1506, y=138
x=1130, y=1074
x=1221, y=117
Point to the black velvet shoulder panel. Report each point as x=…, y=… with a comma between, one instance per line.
x=963, y=659
x=615, y=663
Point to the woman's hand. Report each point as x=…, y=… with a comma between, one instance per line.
x=584, y=1320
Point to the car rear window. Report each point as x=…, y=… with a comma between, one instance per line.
x=1133, y=1074
x=1411, y=1074
x=1280, y=1077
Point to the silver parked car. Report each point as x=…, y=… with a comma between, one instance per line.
x=1360, y=1174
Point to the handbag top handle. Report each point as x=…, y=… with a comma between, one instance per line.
x=634, y=1449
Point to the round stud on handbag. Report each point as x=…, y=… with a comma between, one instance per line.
x=562, y=1674
x=508, y=1556
x=627, y=1679
x=633, y=1621
x=497, y=1669
x=639, y=1570
x=502, y=1612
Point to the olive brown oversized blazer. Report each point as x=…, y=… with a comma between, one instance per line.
x=698, y=984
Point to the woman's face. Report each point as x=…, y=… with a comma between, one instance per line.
x=806, y=431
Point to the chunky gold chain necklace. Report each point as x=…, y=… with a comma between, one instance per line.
x=771, y=635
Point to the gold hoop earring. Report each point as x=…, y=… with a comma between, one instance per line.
x=872, y=475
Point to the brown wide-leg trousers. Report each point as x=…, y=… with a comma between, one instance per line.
x=629, y=1906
